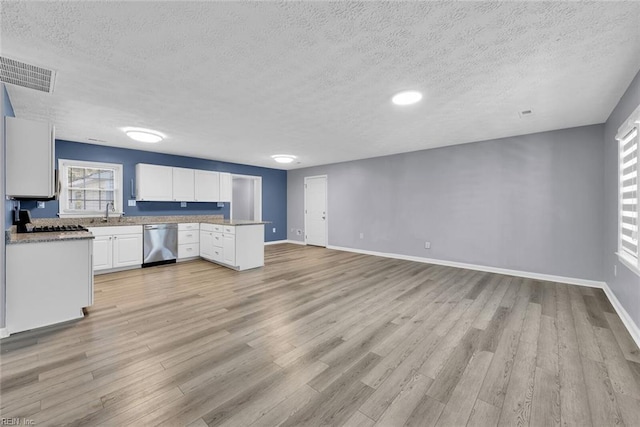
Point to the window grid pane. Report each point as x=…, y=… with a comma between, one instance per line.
x=628, y=166
x=90, y=189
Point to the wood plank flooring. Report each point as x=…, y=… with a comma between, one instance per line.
x=322, y=337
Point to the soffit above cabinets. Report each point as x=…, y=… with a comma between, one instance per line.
x=241, y=81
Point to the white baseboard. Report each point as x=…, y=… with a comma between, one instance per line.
x=633, y=329
x=115, y=270
x=277, y=242
x=4, y=333
x=517, y=273
x=191, y=258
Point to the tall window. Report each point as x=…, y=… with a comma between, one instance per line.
x=89, y=188
x=628, y=157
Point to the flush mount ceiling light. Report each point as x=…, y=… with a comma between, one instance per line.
x=407, y=97
x=283, y=158
x=144, y=135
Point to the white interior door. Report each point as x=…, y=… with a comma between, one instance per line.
x=315, y=210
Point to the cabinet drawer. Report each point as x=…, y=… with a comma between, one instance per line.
x=227, y=229
x=188, y=250
x=116, y=230
x=217, y=255
x=217, y=228
x=206, y=227
x=189, y=226
x=217, y=239
x=187, y=237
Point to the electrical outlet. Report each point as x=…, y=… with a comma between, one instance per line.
x=183, y=204
x=298, y=232
x=40, y=205
x=131, y=202
x=362, y=235
x=427, y=245
x=274, y=229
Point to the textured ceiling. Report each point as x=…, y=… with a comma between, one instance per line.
x=242, y=81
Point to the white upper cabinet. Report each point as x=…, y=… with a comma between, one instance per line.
x=207, y=186
x=183, y=185
x=30, y=158
x=164, y=183
x=225, y=187
x=154, y=182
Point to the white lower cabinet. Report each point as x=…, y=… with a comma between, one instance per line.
x=229, y=249
x=238, y=247
x=188, y=240
x=127, y=250
x=206, y=244
x=102, y=252
x=188, y=251
x=47, y=283
x=117, y=247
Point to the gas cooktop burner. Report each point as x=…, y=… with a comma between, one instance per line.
x=58, y=228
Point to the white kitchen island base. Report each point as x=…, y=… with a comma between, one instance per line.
x=48, y=283
x=240, y=247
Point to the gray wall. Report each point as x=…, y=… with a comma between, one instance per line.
x=531, y=203
x=626, y=285
x=243, y=205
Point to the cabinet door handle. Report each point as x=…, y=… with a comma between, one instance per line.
x=189, y=235
x=109, y=237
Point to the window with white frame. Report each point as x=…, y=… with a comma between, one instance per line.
x=628, y=157
x=89, y=188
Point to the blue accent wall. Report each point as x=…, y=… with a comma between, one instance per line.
x=7, y=110
x=274, y=184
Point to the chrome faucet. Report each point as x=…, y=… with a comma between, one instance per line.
x=106, y=211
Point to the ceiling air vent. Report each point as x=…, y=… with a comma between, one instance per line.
x=525, y=114
x=26, y=75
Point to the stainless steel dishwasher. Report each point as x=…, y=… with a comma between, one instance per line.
x=160, y=244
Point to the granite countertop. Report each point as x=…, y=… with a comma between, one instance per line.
x=11, y=237
x=169, y=220
x=127, y=220
x=236, y=222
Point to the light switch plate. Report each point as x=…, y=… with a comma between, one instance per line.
x=131, y=203
x=183, y=204
x=40, y=205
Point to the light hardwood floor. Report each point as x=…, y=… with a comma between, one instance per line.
x=321, y=337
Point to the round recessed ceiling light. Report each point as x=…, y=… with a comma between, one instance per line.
x=407, y=97
x=283, y=158
x=144, y=135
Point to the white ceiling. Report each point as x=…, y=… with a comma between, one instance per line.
x=241, y=81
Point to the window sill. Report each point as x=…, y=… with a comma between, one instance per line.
x=628, y=263
x=90, y=215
